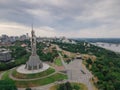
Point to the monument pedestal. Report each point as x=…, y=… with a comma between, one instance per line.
x=21, y=69
x=34, y=63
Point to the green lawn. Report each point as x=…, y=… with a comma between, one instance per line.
x=5, y=76
x=39, y=82
x=31, y=76
x=58, y=62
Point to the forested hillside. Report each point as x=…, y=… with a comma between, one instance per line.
x=106, y=67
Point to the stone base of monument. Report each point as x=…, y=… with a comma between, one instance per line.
x=22, y=69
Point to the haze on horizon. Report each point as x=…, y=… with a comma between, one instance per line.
x=70, y=18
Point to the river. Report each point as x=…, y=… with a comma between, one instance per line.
x=109, y=46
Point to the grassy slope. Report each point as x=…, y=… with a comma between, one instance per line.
x=39, y=82
x=58, y=62
x=31, y=76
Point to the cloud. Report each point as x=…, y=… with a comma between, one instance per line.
x=14, y=29
x=100, y=32
x=71, y=18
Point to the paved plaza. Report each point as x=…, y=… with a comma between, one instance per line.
x=22, y=69
x=77, y=72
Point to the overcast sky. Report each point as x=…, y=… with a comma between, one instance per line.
x=70, y=18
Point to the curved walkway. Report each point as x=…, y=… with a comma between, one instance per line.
x=10, y=75
x=45, y=87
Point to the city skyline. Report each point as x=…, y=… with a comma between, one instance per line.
x=70, y=18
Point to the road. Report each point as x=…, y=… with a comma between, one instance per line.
x=77, y=72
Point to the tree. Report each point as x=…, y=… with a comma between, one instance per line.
x=117, y=85
x=7, y=85
x=68, y=86
x=89, y=61
x=76, y=87
x=28, y=89
x=65, y=86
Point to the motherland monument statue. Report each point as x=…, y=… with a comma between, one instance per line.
x=34, y=62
